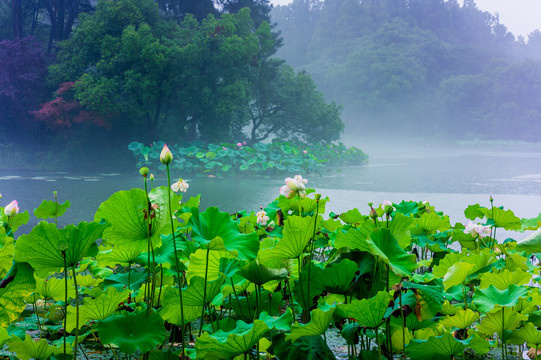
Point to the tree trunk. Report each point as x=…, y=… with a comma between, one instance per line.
x=17, y=18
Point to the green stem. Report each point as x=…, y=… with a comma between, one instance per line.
x=503, y=335
x=161, y=284
x=312, y=241
x=65, y=298
x=291, y=302
x=35, y=307
x=465, y=294
x=76, y=314
x=377, y=342
x=129, y=281
x=403, y=327
x=236, y=297
x=176, y=262
x=205, y=290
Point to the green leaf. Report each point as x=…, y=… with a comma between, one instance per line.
x=125, y=211
x=529, y=334
x=531, y=244
x=261, y=274
x=355, y=238
x=352, y=217
x=503, y=279
x=99, y=308
x=505, y=219
x=385, y=246
x=51, y=209
x=367, y=312
x=142, y=330
x=29, y=349
x=486, y=299
x=213, y=225
x=198, y=261
x=54, y=288
x=432, y=222
x=318, y=325
x=134, y=279
x=473, y=212
x=307, y=348
x=457, y=274
x=15, y=221
x=13, y=294
x=437, y=347
x=42, y=247
x=461, y=320
x=492, y=323
x=227, y=345
x=4, y=336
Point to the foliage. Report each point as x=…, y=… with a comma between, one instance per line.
x=276, y=288
x=227, y=159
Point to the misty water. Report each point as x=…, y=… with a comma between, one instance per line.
x=450, y=179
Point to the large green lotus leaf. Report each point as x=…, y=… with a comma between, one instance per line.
x=473, y=212
x=132, y=279
x=297, y=233
x=51, y=209
x=125, y=211
x=355, y=238
x=531, y=244
x=13, y=294
x=162, y=355
x=400, y=228
x=99, y=308
x=449, y=260
x=486, y=299
x=30, y=349
x=15, y=221
x=528, y=334
x=457, y=274
x=42, y=247
x=54, y=288
x=503, y=279
x=198, y=260
x=492, y=323
x=142, y=330
x=260, y=274
x=384, y=245
x=245, y=307
x=321, y=318
x=192, y=300
x=281, y=323
x=367, y=312
x=530, y=223
x=353, y=217
x=437, y=347
x=429, y=297
x=306, y=348
x=6, y=253
x=165, y=254
x=213, y=225
x=4, y=336
x=228, y=345
x=504, y=219
x=432, y=222
x=122, y=255
x=336, y=278
x=408, y=207
x=461, y=320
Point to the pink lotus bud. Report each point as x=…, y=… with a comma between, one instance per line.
x=373, y=213
x=244, y=143
x=12, y=209
x=305, y=152
x=166, y=156
x=239, y=144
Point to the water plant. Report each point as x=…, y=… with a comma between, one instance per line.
x=156, y=277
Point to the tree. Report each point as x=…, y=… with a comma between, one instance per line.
x=23, y=69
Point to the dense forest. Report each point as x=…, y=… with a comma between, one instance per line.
x=423, y=67
x=76, y=76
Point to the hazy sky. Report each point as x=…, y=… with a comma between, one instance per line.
x=520, y=16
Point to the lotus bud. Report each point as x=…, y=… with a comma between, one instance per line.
x=166, y=156
x=151, y=177
x=62, y=246
x=12, y=209
x=491, y=199
x=373, y=213
x=317, y=197
x=143, y=171
x=305, y=152
x=239, y=144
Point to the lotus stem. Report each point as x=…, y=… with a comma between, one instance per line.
x=205, y=290
x=161, y=285
x=311, y=244
x=76, y=314
x=504, y=355
x=65, y=298
x=236, y=296
x=465, y=294
x=34, y=306
x=55, y=209
x=176, y=262
x=291, y=301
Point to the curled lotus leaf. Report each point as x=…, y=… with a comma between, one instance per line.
x=487, y=299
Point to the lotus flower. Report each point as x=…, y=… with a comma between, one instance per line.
x=476, y=229
x=387, y=207
x=239, y=145
x=166, y=156
x=294, y=186
x=180, y=185
x=262, y=218
x=12, y=209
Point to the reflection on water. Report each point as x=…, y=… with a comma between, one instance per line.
x=450, y=180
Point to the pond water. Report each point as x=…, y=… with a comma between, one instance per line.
x=450, y=179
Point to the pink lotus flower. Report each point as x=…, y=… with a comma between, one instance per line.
x=12, y=209
x=239, y=144
x=305, y=152
x=476, y=229
x=244, y=143
x=294, y=186
x=224, y=148
x=166, y=156
x=387, y=207
x=262, y=218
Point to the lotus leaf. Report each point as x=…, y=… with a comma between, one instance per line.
x=165, y=254
x=15, y=221
x=6, y=254
x=99, y=308
x=307, y=348
x=353, y=217
x=320, y=320
x=198, y=260
x=461, y=320
x=132, y=279
x=51, y=209
x=503, y=279
x=367, y=312
x=437, y=347
x=492, y=323
x=400, y=228
x=355, y=238
x=260, y=274
x=227, y=345
x=42, y=247
x=531, y=244
x=457, y=274
x=429, y=297
x=486, y=299
x=385, y=246
x=54, y=288
x=142, y=330
x=121, y=255
x=4, y=336
x=125, y=211
x=12, y=296
x=529, y=334
x=29, y=349
x=530, y=223
x=432, y=222
x=214, y=224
